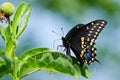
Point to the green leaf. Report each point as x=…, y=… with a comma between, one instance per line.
x=2, y=32
x=2, y=61
x=5, y=68
x=42, y=59
x=23, y=26
x=7, y=33
x=83, y=69
x=1, y=52
x=32, y=52
x=22, y=10
x=52, y=61
x=85, y=72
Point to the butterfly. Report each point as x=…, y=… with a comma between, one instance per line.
x=81, y=40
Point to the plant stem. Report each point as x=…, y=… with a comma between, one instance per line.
x=15, y=65
x=15, y=71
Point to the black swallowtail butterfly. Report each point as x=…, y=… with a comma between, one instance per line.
x=81, y=40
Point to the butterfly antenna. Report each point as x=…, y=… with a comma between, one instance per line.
x=62, y=31
x=57, y=33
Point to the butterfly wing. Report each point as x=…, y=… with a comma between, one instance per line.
x=70, y=36
x=94, y=28
x=81, y=40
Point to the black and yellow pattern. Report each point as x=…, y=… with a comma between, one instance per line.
x=81, y=40
x=87, y=48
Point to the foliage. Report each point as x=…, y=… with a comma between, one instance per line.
x=73, y=9
x=34, y=59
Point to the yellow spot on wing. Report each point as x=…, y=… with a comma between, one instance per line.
x=82, y=52
x=82, y=46
x=82, y=39
x=93, y=54
x=85, y=61
x=91, y=43
x=93, y=48
x=82, y=42
x=81, y=55
x=88, y=39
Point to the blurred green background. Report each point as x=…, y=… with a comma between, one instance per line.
x=48, y=15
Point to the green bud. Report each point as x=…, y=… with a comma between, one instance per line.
x=7, y=9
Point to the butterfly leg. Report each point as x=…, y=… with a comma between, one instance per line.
x=68, y=51
x=59, y=46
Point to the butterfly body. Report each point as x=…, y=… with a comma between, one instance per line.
x=81, y=40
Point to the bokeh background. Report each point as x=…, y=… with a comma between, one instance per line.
x=51, y=15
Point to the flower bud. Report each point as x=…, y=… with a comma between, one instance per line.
x=7, y=9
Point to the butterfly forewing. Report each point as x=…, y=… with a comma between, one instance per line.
x=94, y=28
